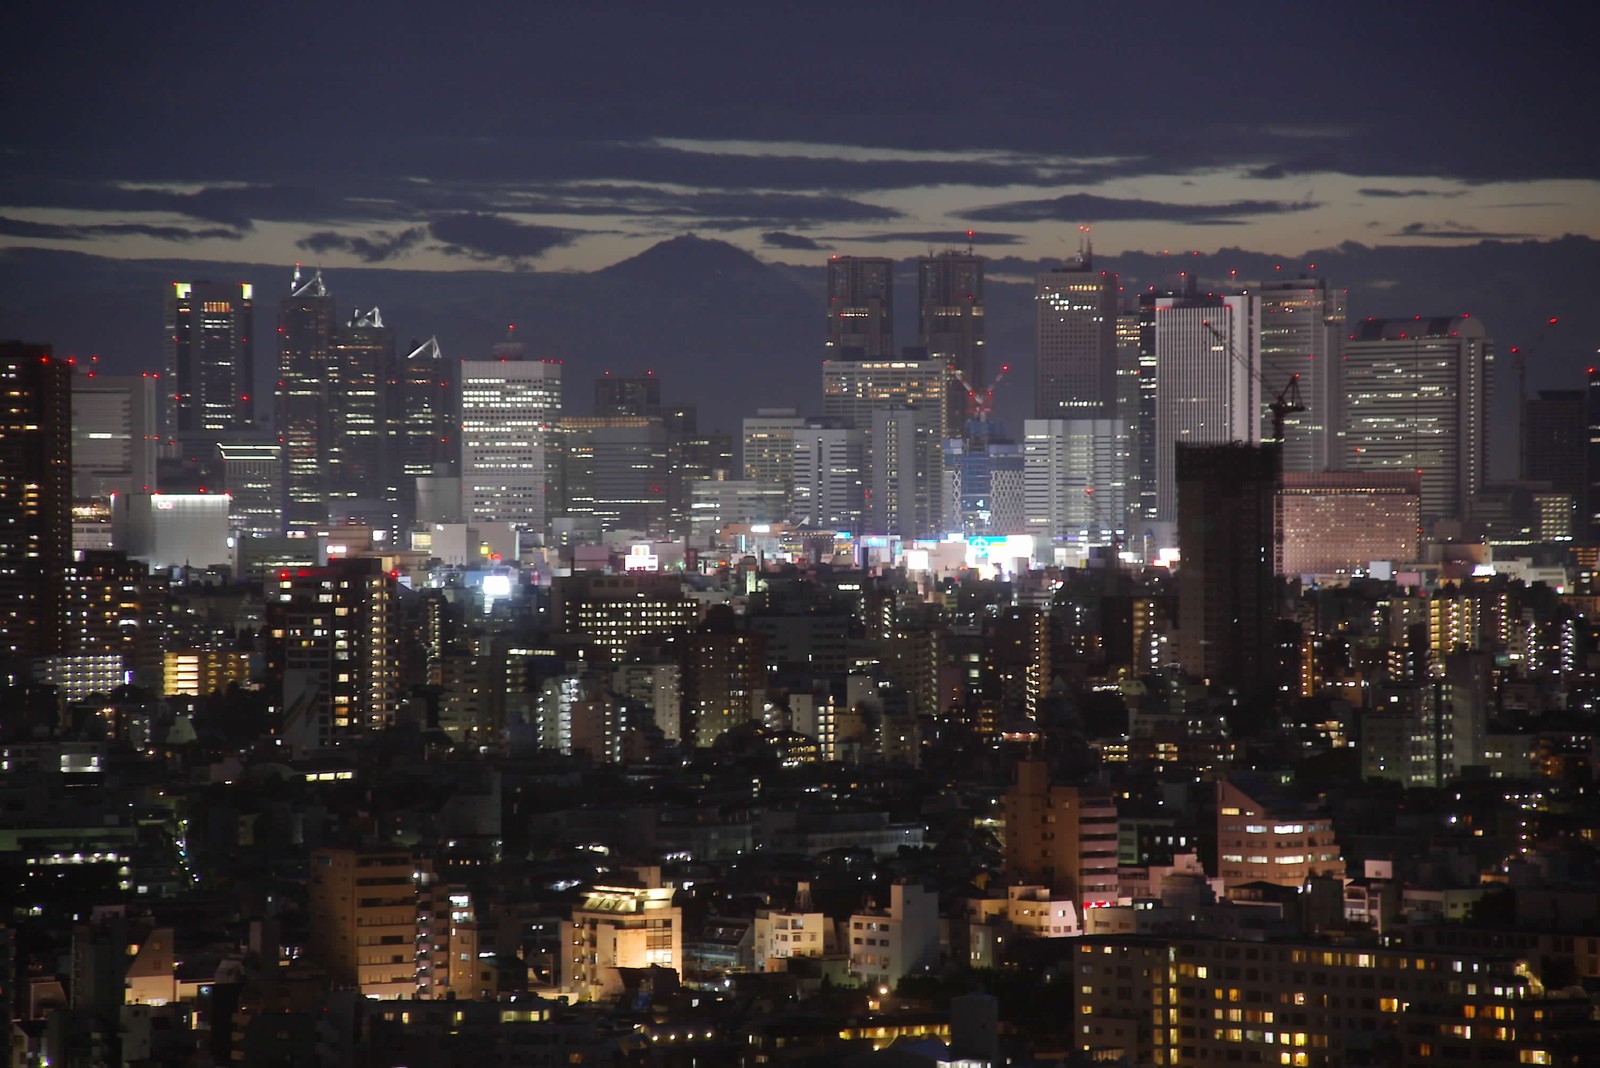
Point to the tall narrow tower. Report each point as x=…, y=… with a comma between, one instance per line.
x=1075, y=313
x=950, y=303
x=35, y=498
x=305, y=337
x=1302, y=332
x=359, y=453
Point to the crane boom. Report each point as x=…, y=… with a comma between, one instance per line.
x=1284, y=403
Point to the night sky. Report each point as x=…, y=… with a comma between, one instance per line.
x=1441, y=150
x=569, y=136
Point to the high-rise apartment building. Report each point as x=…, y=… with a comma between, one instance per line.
x=1416, y=396
x=1061, y=837
x=210, y=361
x=508, y=410
x=860, y=308
x=364, y=919
x=1302, y=328
x=951, y=323
x=306, y=319
x=336, y=641
x=35, y=498
x=1207, y=389
x=115, y=436
x=1227, y=581
x=1075, y=312
x=114, y=606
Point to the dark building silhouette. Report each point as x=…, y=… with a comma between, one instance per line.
x=305, y=336
x=860, y=308
x=210, y=361
x=951, y=323
x=359, y=457
x=35, y=498
x=1226, y=583
x=627, y=394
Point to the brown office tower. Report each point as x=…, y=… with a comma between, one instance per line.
x=1063, y=837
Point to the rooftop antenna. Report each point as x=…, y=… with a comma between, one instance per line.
x=1085, y=246
x=969, y=242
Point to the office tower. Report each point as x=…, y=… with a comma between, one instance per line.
x=1589, y=520
x=306, y=320
x=829, y=476
x=423, y=425
x=1302, y=332
x=984, y=487
x=616, y=472
x=1061, y=837
x=1227, y=582
x=1075, y=316
x=719, y=503
x=35, y=498
x=359, y=455
x=508, y=409
x=950, y=305
x=1339, y=522
x=627, y=394
x=210, y=361
x=853, y=390
x=694, y=456
x=860, y=308
x=114, y=434
x=1555, y=444
x=618, y=612
x=1416, y=395
x=766, y=451
x=907, y=475
x=1207, y=391
x=252, y=476
x=1075, y=478
x=364, y=919
x=336, y=636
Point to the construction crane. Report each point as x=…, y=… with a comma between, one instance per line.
x=1284, y=403
x=980, y=406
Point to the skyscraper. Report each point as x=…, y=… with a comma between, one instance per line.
x=951, y=323
x=616, y=471
x=1207, y=390
x=829, y=476
x=1075, y=313
x=627, y=394
x=423, y=437
x=767, y=450
x=1227, y=581
x=115, y=435
x=1555, y=447
x=35, y=498
x=860, y=308
x=1075, y=478
x=508, y=410
x=1302, y=332
x=305, y=337
x=210, y=361
x=853, y=391
x=1416, y=395
x=359, y=455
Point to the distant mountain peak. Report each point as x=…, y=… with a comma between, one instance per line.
x=686, y=255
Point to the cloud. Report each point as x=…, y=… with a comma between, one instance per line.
x=1088, y=208
x=1450, y=230
x=1313, y=162
x=494, y=237
x=799, y=242
x=1395, y=193
x=950, y=238
x=376, y=247
x=91, y=231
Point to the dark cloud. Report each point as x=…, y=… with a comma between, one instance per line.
x=494, y=237
x=799, y=242
x=1088, y=208
x=950, y=238
x=1450, y=230
x=376, y=247
x=1312, y=162
x=92, y=231
x=1396, y=193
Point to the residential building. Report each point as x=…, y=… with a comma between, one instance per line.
x=888, y=944
x=1061, y=837
x=35, y=498
x=620, y=927
x=363, y=906
x=1264, y=839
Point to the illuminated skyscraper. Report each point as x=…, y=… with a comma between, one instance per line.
x=305, y=338
x=616, y=471
x=1075, y=474
x=508, y=410
x=1207, y=392
x=359, y=457
x=210, y=361
x=829, y=476
x=854, y=391
x=767, y=451
x=422, y=423
x=1416, y=395
x=860, y=308
x=1075, y=312
x=1302, y=332
x=950, y=303
x=35, y=498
